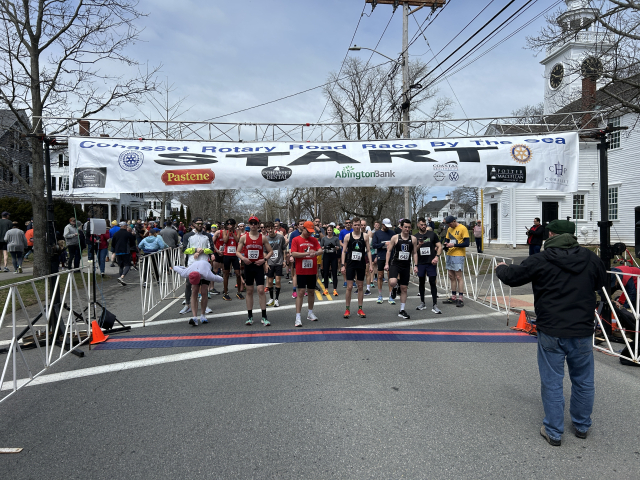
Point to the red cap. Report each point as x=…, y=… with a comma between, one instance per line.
x=311, y=228
x=194, y=278
x=253, y=217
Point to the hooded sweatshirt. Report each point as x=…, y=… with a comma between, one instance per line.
x=564, y=277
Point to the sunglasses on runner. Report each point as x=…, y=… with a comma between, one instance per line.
x=198, y=223
x=253, y=223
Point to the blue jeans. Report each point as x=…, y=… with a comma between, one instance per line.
x=533, y=249
x=578, y=352
x=102, y=255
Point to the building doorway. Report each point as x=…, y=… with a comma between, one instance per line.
x=549, y=213
x=493, y=225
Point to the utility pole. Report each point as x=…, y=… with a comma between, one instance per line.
x=406, y=101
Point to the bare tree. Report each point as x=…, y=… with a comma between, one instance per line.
x=465, y=196
x=50, y=55
x=529, y=114
x=614, y=30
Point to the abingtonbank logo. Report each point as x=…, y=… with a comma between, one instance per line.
x=350, y=172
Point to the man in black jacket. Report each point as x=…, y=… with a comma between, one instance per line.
x=564, y=277
x=536, y=236
x=123, y=243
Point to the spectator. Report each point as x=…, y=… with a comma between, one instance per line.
x=5, y=226
x=477, y=235
x=170, y=236
x=16, y=245
x=115, y=228
x=565, y=278
x=29, y=235
x=536, y=236
x=430, y=224
x=103, y=250
x=73, y=243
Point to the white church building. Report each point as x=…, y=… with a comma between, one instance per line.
x=509, y=210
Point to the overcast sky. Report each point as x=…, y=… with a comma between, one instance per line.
x=226, y=56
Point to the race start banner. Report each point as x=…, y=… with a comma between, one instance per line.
x=122, y=166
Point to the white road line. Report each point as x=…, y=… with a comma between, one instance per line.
x=163, y=310
x=425, y=321
x=147, y=362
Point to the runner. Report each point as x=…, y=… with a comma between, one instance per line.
x=456, y=242
x=198, y=250
x=404, y=246
x=294, y=234
x=429, y=250
x=318, y=234
x=343, y=233
x=330, y=244
x=253, y=250
x=275, y=262
x=305, y=250
x=354, y=264
x=380, y=242
x=229, y=259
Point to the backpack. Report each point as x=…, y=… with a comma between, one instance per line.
x=82, y=240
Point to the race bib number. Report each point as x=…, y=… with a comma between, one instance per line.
x=424, y=251
x=453, y=240
x=307, y=263
x=356, y=256
x=274, y=255
x=403, y=256
x=253, y=254
x=222, y=249
x=231, y=249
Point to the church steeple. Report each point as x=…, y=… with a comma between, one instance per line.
x=580, y=40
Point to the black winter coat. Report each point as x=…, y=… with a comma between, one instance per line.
x=564, y=282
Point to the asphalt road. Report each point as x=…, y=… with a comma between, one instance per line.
x=311, y=410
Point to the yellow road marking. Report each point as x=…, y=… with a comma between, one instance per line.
x=328, y=295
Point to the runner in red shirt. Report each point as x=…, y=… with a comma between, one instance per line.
x=305, y=249
x=253, y=250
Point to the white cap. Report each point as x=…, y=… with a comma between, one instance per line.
x=332, y=224
x=387, y=223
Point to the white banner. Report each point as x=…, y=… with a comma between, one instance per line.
x=123, y=166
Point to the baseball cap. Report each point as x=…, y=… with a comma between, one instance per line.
x=387, y=223
x=215, y=225
x=562, y=226
x=253, y=217
x=247, y=228
x=4, y=214
x=194, y=278
x=277, y=220
x=123, y=224
x=310, y=226
x=197, y=219
x=113, y=222
x=155, y=229
x=450, y=219
x=332, y=224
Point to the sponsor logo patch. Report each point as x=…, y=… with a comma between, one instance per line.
x=439, y=176
x=188, y=177
x=276, y=174
x=521, y=153
x=130, y=160
x=506, y=174
x=90, y=177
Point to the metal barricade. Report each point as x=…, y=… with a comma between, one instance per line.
x=635, y=311
x=480, y=281
x=70, y=314
x=157, y=279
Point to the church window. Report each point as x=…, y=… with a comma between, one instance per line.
x=614, y=139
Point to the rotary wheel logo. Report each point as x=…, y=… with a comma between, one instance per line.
x=130, y=160
x=521, y=153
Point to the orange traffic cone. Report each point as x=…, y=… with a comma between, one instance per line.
x=522, y=324
x=96, y=333
x=614, y=323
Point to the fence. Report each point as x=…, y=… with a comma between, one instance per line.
x=625, y=331
x=480, y=281
x=157, y=279
x=75, y=302
x=625, y=259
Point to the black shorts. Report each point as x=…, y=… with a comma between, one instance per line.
x=274, y=271
x=307, y=281
x=229, y=261
x=254, y=273
x=355, y=273
x=382, y=261
x=428, y=269
x=3, y=246
x=217, y=257
x=204, y=282
x=403, y=272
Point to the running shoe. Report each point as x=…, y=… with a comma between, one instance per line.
x=312, y=317
x=239, y=296
x=403, y=314
x=306, y=294
x=330, y=280
x=392, y=301
x=380, y=300
x=422, y=306
x=298, y=323
x=435, y=309
x=345, y=285
x=294, y=294
x=121, y=282
x=203, y=319
x=367, y=292
x=271, y=303
x=418, y=294
x=361, y=314
x=208, y=294
x=277, y=304
x=459, y=303
x=185, y=309
x=266, y=322
x=144, y=284
x=214, y=292
x=347, y=314
x=335, y=292
x=225, y=296
x=208, y=311
x=249, y=321
x=290, y=281
x=450, y=301
x=266, y=289
x=194, y=322
x=184, y=302
x=372, y=285
x=326, y=292
x=355, y=289
x=19, y=269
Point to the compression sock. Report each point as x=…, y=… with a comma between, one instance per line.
x=271, y=293
x=277, y=293
x=264, y=314
x=250, y=312
x=460, y=294
x=421, y=288
x=453, y=294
